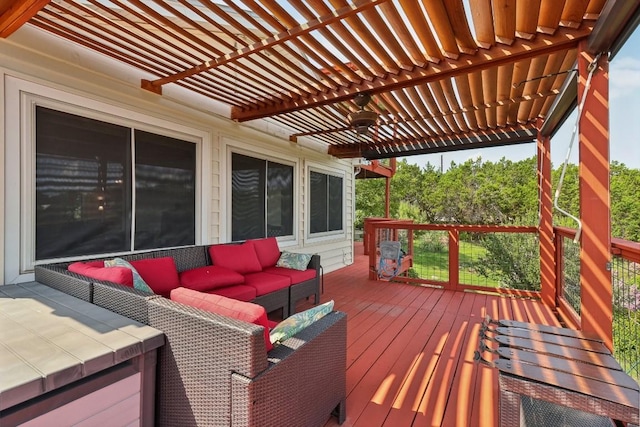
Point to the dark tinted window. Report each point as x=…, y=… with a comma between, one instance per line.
x=247, y=197
x=261, y=198
x=83, y=182
x=326, y=202
x=84, y=188
x=165, y=191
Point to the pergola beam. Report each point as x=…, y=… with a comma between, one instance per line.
x=497, y=55
x=267, y=43
x=17, y=14
x=404, y=147
x=472, y=108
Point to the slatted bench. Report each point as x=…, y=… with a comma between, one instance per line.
x=556, y=376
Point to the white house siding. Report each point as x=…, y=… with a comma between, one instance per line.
x=34, y=62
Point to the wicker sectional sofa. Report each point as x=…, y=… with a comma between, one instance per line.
x=215, y=370
x=291, y=287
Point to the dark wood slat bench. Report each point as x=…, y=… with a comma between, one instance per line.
x=560, y=367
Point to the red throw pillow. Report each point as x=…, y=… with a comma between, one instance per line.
x=120, y=275
x=97, y=263
x=245, y=311
x=160, y=274
x=210, y=277
x=267, y=250
x=241, y=258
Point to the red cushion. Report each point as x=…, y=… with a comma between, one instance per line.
x=239, y=292
x=296, y=276
x=266, y=283
x=245, y=311
x=160, y=274
x=241, y=258
x=120, y=275
x=210, y=277
x=97, y=263
x=267, y=251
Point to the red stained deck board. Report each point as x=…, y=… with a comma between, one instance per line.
x=410, y=350
x=419, y=375
x=485, y=388
x=369, y=332
x=385, y=374
x=371, y=399
x=459, y=405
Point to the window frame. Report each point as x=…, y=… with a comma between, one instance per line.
x=21, y=167
x=236, y=147
x=325, y=235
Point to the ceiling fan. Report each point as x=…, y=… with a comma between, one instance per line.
x=362, y=119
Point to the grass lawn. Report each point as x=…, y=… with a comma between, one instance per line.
x=434, y=264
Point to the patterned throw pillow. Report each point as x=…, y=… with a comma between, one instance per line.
x=294, y=260
x=294, y=324
x=138, y=281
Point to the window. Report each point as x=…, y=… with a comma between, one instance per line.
x=325, y=202
x=261, y=198
x=104, y=188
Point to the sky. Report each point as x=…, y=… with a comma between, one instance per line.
x=624, y=122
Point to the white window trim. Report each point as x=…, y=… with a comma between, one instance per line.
x=20, y=162
x=230, y=146
x=325, y=235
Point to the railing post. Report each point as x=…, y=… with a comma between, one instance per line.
x=387, y=197
x=371, y=250
x=596, y=312
x=545, y=228
x=366, y=236
x=559, y=250
x=454, y=258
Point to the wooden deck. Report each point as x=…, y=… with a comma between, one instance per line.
x=410, y=350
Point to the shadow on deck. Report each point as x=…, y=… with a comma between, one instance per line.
x=410, y=350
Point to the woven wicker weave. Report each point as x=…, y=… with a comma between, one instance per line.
x=186, y=258
x=126, y=301
x=58, y=277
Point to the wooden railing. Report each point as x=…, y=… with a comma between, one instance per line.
x=567, y=276
x=443, y=256
x=451, y=256
x=625, y=271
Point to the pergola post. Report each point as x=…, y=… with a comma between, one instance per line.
x=387, y=197
x=545, y=228
x=596, y=311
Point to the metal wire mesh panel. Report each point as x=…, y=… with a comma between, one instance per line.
x=626, y=314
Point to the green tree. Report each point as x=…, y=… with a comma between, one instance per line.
x=568, y=197
x=625, y=203
x=369, y=200
x=406, y=187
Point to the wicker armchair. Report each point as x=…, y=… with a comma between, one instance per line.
x=215, y=371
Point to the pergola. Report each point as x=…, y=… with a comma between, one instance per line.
x=443, y=75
